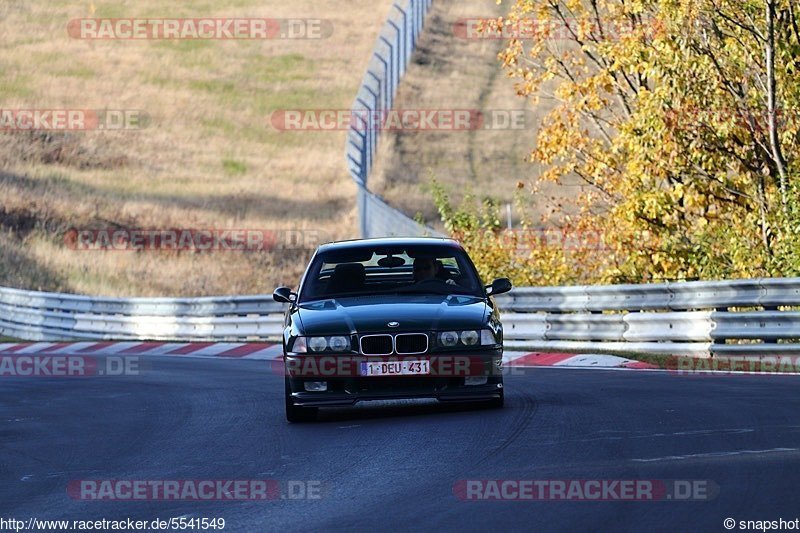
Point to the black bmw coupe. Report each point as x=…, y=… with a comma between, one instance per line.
x=386, y=319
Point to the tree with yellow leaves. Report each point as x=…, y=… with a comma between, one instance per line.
x=681, y=117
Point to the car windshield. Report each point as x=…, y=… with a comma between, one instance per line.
x=419, y=269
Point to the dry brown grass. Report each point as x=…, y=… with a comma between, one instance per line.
x=449, y=72
x=206, y=159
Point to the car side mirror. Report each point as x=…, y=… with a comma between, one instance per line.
x=284, y=295
x=499, y=286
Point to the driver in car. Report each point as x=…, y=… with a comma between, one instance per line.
x=428, y=268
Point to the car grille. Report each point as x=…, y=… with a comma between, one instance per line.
x=411, y=343
x=402, y=344
x=376, y=345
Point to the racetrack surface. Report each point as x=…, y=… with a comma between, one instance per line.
x=393, y=467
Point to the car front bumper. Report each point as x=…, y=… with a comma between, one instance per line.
x=448, y=382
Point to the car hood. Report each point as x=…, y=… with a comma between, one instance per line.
x=371, y=314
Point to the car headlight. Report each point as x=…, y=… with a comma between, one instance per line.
x=469, y=337
x=299, y=345
x=337, y=343
x=448, y=339
x=487, y=337
x=318, y=344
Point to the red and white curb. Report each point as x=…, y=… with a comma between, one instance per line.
x=267, y=351
x=236, y=350
x=522, y=359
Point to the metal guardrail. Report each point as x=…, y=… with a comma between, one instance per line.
x=44, y=316
x=162, y=307
x=701, y=318
x=674, y=296
x=390, y=57
x=733, y=318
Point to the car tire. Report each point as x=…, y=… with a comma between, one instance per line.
x=296, y=413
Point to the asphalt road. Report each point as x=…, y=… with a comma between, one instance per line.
x=395, y=467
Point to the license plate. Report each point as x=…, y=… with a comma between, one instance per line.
x=396, y=368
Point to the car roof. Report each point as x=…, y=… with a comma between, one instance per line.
x=389, y=241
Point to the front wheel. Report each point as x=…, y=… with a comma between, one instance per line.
x=296, y=413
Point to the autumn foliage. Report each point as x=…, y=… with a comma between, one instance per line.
x=681, y=117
